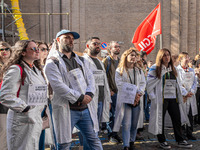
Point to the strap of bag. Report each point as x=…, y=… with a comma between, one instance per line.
x=109, y=64
x=21, y=72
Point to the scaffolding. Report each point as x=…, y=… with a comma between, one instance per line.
x=5, y=9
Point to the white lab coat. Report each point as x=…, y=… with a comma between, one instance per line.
x=107, y=97
x=63, y=94
x=120, y=106
x=155, y=92
x=23, y=129
x=192, y=100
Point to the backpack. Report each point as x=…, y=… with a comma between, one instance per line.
x=21, y=72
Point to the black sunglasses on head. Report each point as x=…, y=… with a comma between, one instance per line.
x=4, y=49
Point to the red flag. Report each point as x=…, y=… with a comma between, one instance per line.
x=144, y=38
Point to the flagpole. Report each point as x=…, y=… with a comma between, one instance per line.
x=161, y=41
x=161, y=25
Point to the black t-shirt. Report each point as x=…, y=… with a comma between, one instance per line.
x=72, y=64
x=116, y=63
x=101, y=88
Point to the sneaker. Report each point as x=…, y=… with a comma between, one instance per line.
x=115, y=139
x=184, y=144
x=112, y=140
x=164, y=145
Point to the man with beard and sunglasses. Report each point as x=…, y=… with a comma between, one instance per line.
x=102, y=94
x=73, y=89
x=110, y=63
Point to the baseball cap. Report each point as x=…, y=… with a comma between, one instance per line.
x=64, y=31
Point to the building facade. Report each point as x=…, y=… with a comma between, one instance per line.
x=114, y=20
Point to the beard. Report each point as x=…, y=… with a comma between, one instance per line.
x=67, y=48
x=95, y=51
x=116, y=53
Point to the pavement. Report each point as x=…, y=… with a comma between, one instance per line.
x=149, y=143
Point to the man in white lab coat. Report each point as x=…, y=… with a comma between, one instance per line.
x=73, y=89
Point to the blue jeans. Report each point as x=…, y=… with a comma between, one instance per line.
x=83, y=121
x=110, y=125
x=129, y=124
x=65, y=146
x=99, y=115
x=147, y=106
x=100, y=110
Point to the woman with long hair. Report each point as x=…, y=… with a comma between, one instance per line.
x=24, y=92
x=5, y=53
x=165, y=94
x=131, y=84
x=44, y=50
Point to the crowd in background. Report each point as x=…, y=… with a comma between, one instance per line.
x=93, y=94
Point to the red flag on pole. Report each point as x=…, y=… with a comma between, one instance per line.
x=144, y=38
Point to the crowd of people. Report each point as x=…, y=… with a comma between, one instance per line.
x=50, y=86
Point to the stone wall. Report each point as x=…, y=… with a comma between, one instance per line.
x=115, y=20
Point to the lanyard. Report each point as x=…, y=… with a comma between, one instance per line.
x=133, y=75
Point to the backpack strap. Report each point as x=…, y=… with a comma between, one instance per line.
x=55, y=60
x=21, y=72
x=81, y=58
x=109, y=64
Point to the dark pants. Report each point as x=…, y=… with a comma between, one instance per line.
x=197, y=117
x=110, y=125
x=173, y=108
x=186, y=129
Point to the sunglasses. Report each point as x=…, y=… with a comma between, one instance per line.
x=4, y=49
x=96, y=43
x=117, y=46
x=35, y=49
x=43, y=49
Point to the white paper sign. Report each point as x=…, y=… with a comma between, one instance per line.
x=127, y=93
x=99, y=77
x=77, y=80
x=37, y=95
x=170, y=89
x=188, y=79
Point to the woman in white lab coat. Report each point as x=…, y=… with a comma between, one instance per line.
x=22, y=74
x=165, y=94
x=131, y=84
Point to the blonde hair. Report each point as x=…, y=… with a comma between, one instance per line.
x=181, y=55
x=197, y=57
x=123, y=61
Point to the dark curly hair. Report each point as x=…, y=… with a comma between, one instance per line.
x=16, y=58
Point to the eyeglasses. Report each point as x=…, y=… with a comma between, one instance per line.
x=35, y=49
x=43, y=49
x=96, y=43
x=4, y=49
x=117, y=46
